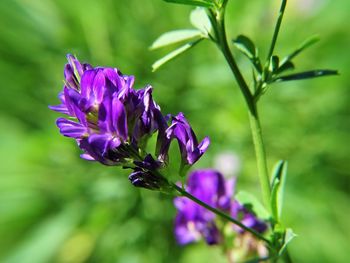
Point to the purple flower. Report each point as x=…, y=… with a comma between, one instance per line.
x=107, y=117
x=193, y=222
x=247, y=217
x=190, y=149
x=111, y=122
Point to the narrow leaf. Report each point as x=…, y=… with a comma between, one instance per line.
x=277, y=189
x=199, y=19
x=204, y=3
x=307, y=43
x=307, y=75
x=278, y=171
x=174, y=37
x=288, y=237
x=156, y=65
x=246, y=198
x=274, y=200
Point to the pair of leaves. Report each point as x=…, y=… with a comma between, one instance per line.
x=199, y=20
x=175, y=53
x=202, y=3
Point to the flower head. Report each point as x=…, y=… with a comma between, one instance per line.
x=109, y=115
x=193, y=222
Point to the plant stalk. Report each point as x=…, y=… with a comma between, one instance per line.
x=252, y=108
x=260, y=154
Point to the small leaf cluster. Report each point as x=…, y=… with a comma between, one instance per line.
x=275, y=68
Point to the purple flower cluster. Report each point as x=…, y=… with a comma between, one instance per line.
x=111, y=121
x=193, y=222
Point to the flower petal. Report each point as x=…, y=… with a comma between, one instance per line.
x=86, y=84
x=119, y=120
x=71, y=129
x=115, y=79
x=75, y=65
x=185, y=231
x=73, y=101
x=98, y=87
x=96, y=146
x=59, y=108
x=87, y=157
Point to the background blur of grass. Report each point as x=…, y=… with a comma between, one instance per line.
x=55, y=207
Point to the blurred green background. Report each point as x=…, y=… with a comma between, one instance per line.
x=55, y=207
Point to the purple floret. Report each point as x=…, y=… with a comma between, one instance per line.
x=190, y=149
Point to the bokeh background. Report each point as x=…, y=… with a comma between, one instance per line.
x=55, y=207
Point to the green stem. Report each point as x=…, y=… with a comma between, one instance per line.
x=223, y=46
x=287, y=257
x=219, y=213
x=260, y=158
x=277, y=29
x=252, y=107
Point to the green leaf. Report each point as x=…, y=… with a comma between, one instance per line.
x=204, y=3
x=288, y=237
x=306, y=75
x=174, y=37
x=247, y=47
x=156, y=65
x=248, y=199
x=307, y=43
x=277, y=188
x=284, y=67
x=275, y=200
x=274, y=63
x=199, y=19
x=278, y=171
